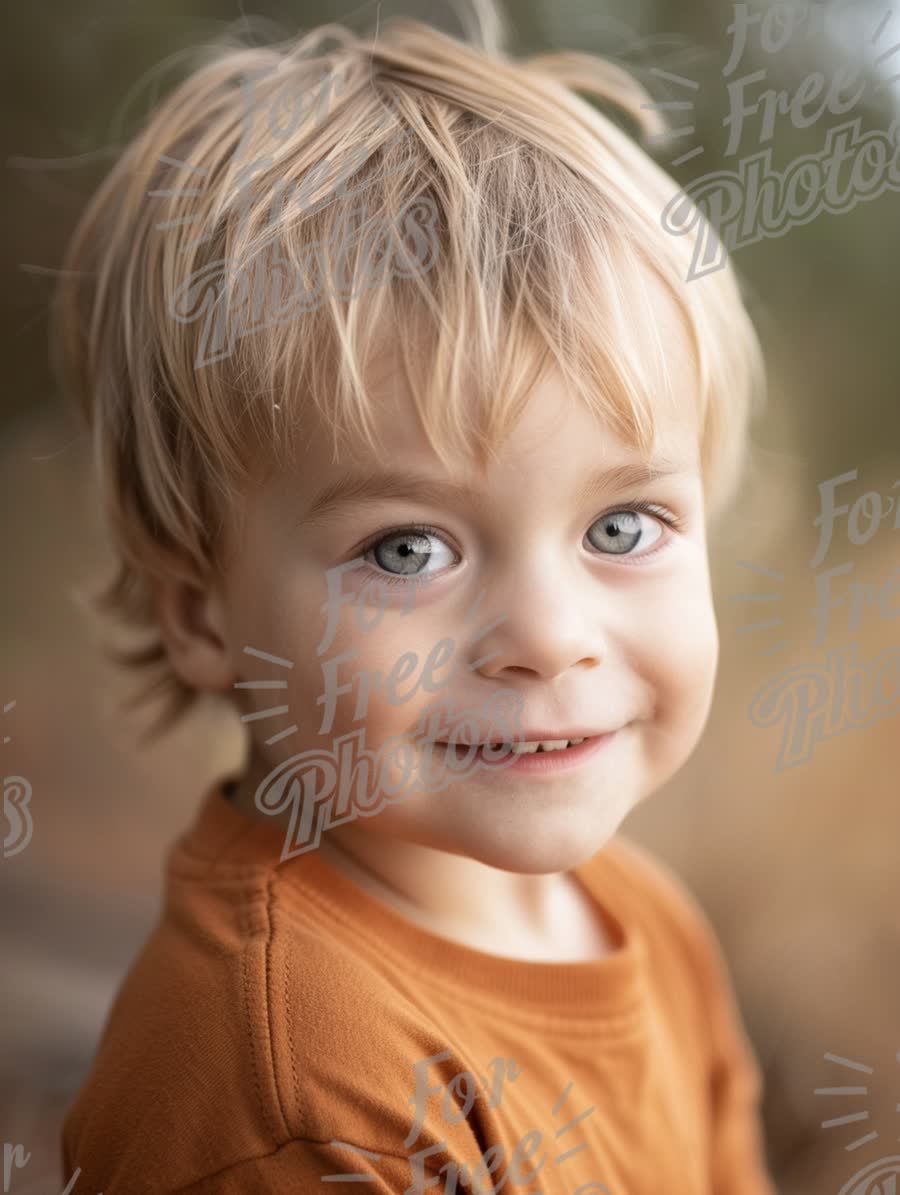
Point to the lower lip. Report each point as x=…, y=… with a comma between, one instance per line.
x=538, y=762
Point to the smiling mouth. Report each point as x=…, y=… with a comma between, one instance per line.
x=533, y=748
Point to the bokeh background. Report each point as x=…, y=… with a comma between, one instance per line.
x=797, y=867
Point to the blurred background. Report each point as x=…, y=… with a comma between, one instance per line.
x=795, y=860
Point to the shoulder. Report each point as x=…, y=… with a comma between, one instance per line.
x=690, y=972
x=250, y=1023
x=650, y=895
x=341, y=1029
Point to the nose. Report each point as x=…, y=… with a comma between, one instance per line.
x=540, y=628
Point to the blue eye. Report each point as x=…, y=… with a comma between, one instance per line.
x=419, y=551
x=621, y=531
x=407, y=552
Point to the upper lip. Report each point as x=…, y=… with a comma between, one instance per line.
x=539, y=736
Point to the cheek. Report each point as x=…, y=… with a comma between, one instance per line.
x=283, y=624
x=685, y=660
x=681, y=674
x=382, y=686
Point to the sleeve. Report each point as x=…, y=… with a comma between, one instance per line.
x=302, y=1167
x=737, y=1164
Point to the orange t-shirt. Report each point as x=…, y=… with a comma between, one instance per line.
x=282, y=1027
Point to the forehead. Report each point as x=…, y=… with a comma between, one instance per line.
x=555, y=428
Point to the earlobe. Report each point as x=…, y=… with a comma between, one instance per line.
x=193, y=627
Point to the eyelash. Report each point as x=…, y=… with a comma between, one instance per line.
x=671, y=520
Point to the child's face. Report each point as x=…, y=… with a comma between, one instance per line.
x=589, y=634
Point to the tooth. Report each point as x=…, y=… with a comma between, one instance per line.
x=539, y=745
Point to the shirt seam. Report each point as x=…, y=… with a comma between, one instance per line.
x=187, y=1188
x=270, y=1016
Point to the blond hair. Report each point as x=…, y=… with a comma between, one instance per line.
x=544, y=216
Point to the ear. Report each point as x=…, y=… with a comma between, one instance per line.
x=193, y=625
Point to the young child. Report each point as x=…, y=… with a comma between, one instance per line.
x=408, y=294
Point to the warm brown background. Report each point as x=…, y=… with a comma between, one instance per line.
x=797, y=869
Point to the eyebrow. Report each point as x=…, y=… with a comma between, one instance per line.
x=355, y=489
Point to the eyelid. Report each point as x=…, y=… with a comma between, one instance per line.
x=418, y=528
x=673, y=521
x=664, y=513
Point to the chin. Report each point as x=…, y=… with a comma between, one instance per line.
x=540, y=851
